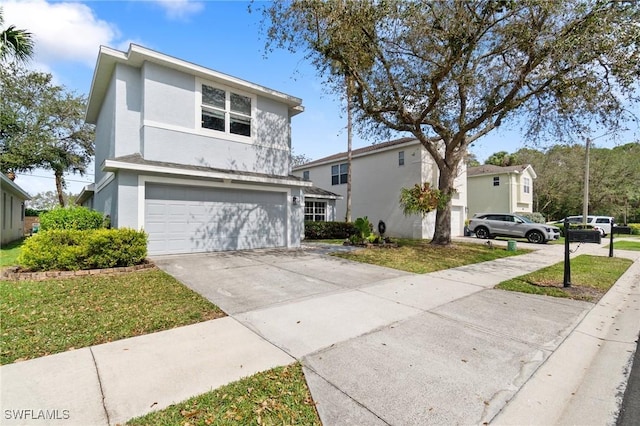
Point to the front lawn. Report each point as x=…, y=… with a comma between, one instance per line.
x=9, y=253
x=420, y=257
x=591, y=277
x=626, y=245
x=275, y=397
x=46, y=317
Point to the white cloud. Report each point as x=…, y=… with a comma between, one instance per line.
x=180, y=9
x=62, y=31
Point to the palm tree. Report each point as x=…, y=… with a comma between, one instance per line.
x=15, y=43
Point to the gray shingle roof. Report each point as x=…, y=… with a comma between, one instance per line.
x=490, y=169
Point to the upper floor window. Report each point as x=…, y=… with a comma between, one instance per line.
x=339, y=174
x=305, y=175
x=401, y=158
x=526, y=185
x=496, y=181
x=226, y=111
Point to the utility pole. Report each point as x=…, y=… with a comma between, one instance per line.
x=585, y=200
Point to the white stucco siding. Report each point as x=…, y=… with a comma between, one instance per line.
x=11, y=214
x=169, y=96
x=128, y=105
x=105, y=130
x=483, y=197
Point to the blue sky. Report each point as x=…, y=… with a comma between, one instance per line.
x=220, y=35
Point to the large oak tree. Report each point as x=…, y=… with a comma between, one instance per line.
x=450, y=72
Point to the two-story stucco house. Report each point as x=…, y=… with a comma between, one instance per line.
x=12, y=210
x=378, y=174
x=198, y=159
x=500, y=189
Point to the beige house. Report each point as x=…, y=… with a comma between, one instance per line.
x=500, y=189
x=12, y=211
x=379, y=172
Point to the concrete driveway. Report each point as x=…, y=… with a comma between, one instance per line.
x=381, y=346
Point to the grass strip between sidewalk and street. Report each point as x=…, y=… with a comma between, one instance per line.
x=45, y=317
x=419, y=256
x=275, y=397
x=626, y=245
x=591, y=278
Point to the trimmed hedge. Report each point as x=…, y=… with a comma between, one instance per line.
x=80, y=218
x=635, y=228
x=534, y=217
x=72, y=250
x=329, y=230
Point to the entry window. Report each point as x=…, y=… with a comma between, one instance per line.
x=526, y=186
x=225, y=111
x=305, y=175
x=315, y=211
x=339, y=174
x=401, y=158
x=496, y=181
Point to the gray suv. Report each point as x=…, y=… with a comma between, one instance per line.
x=491, y=225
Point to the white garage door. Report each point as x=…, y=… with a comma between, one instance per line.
x=186, y=219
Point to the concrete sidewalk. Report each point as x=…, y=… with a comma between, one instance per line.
x=378, y=346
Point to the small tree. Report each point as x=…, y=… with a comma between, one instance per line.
x=42, y=125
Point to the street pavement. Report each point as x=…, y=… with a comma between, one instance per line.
x=378, y=346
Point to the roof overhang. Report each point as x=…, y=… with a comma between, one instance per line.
x=225, y=176
x=137, y=55
x=86, y=193
x=6, y=182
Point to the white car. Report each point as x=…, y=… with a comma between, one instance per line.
x=603, y=223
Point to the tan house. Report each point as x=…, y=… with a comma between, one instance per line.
x=500, y=189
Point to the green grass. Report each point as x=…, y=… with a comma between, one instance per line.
x=626, y=245
x=9, y=253
x=338, y=241
x=591, y=277
x=275, y=397
x=420, y=257
x=45, y=317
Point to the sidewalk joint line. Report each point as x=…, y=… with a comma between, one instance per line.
x=333, y=385
x=104, y=406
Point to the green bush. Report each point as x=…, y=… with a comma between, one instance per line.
x=72, y=250
x=328, y=230
x=635, y=228
x=33, y=212
x=79, y=218
x=363, y=226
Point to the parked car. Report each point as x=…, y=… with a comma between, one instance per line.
x=491, y=225
x=603, y=223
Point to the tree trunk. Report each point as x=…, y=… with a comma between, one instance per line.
x=442, y=234
x=60, y=187
x=349, y=141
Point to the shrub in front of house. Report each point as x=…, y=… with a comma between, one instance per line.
x=536, y=217
x=79, y=218
x=328, y=230
x=72, y=250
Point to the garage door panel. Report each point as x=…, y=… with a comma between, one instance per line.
x=193, y=219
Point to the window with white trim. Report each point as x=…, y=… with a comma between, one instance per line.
x=339, y=174
x=305, y=175
x=315, y=211
x=225, y=111
x=526, y=185
x=496, y=181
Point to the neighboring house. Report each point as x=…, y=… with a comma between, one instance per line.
x=196, y=158
x=12, y=212
x=378, y=174
x=499, y=189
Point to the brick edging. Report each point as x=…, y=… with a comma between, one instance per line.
x=14, y=274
